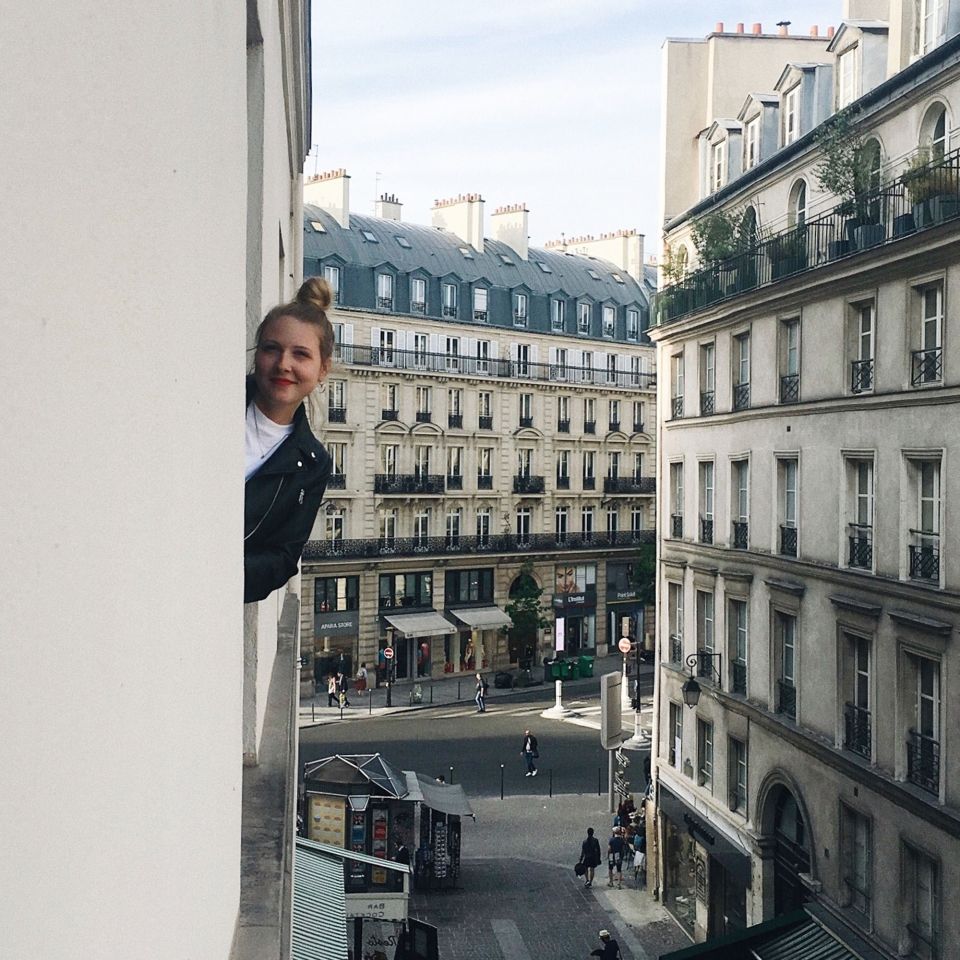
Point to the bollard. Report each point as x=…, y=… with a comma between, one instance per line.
x=458, y=689
x=370, y=701
x=431, y=693
x=599, y=774
x=551, y=781
x=313, y=710
x=501, y=781
x=451, y=773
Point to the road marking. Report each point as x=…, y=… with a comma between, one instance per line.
x=511, y=942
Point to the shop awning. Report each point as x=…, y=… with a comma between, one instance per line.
x=482, y=618
x=429, y=624
x=319, y=904
x=444, y=797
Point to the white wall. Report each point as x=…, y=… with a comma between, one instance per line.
x=121, y=315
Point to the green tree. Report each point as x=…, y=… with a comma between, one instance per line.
x=644, y=570
x=525, y=610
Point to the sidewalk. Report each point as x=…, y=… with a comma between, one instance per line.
x=447, y=690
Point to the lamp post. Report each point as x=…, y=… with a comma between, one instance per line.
x=390, y=667
x=703, y=661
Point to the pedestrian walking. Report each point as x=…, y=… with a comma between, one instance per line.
x=481, y=695
x=615, y=851
x=342, y=690
x=609, y=948
x=332, y=692
x=361, y=682
x=530, y=752
x=590, y=856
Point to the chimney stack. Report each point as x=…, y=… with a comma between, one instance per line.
x=758, y=28
x=331, y=192
x=784, y=30
x=388, y=207
x=814, y=31
x=463, y=216
x=739, y=28
x=718, y=28
x=510, y=225
x=830, y=32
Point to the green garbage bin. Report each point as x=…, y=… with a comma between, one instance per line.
x=585, y=666
x=569, y=669
x=556, y=670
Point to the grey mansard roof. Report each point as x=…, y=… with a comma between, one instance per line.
x=437, y=253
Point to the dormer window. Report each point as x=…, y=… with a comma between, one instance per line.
x=609, y=317
x=791, y=115
x=593, y=273
x=385, y=291
x=318, y=226
x=369, y=237
x=480, y=304
x=846, y=78
x=466, y=253
x=543, y=266
x=718, y=167
x=751, y=144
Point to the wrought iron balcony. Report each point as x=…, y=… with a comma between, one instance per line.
x=336, y=414
x=408, y=483
x=418, y=306
x=484, y=423
x=424, y=416
x=676, y=648
x=861, y=546
x=706, y=403
x=924, y=195
x=676, y=525
x=707, y=665
x=741, y=534
x=787, y=698
x=524, y=483
x=507, y=543
x=857, y=730
x=449, y=311
x=389, y=414
x=589, y=426
x=629, y=484
x=455, y=420
x=925, y=557
x=738, y=677
x=563, y=483
x=526, y=421
x=676, y=408
x=385, y=303
x=589, y=483
x=927, y=366
x=563, y=426
x=706, y=529
x=741, y=396
x=614, y=426
x=923, y=761
x=484, y=481
x=519, y=319
x=638, y=426
x=861, y=376
x=790, y=388
x=788, y=540
x=336, y=481
x=454, y=481
x=480, y=316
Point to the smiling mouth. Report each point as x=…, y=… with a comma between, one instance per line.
x=281, y=382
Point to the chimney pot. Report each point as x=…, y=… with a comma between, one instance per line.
x=784, y=31
x=814, y=31
x=739, y=28
x=758, y=28
x=719, y=27
x=830, y=32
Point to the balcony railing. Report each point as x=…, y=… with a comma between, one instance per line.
x=389, y=414
x=480, y=316
x=676, y=408
x=418, y=306
x=787, y=698
x=492, y=544
x=706, y=403
x=455, y=420
x=589, y=426
x=629, y=484
x=926, y=195
x=563, y=426
x=741, y=396
x=788, y=540
x=706, y=529
x=676, y=525
x=923, y=761
x=741, y=534
x=526, y=421
x=861, y=546
x=563, y=483
x=449, y=311
x=927, y=366
x=336, y=414
x=614, y=426
x=484, y=423
x=638, y=426
x=589, y=483
x=424, y=416
x=861, y=376
x=454, y=481
x=523, y=483
x=790, y=388
x=925, y=556
x=337, y=481
x=738, y=677
x=676, y=648
x=519, y=319
x=385, y=303
x=408, y=483
x=484, y=481
x=857, y=730
x=502, y=368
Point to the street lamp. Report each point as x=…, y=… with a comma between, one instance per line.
x=703, y=660
x=390, y=667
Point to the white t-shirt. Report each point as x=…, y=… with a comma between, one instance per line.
x=263, y=437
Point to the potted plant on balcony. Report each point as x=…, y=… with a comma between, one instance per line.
x=675, y=299
x=787, y=252
x=932, y=189
x=718, y=240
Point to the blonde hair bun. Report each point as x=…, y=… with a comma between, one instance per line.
x=315, y=292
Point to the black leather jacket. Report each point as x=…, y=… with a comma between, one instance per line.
x=281, y=504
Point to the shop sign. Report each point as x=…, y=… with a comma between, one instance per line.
x=614, y=594
x=701, y=879
x=373, y=909
x=343, y=623
x=569, y=599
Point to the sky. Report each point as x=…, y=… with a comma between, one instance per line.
x=551, y=103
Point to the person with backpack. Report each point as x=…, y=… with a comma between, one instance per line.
x=590, y=856
x=609, y=949
x=481, y=697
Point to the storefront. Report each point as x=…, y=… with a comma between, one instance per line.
x=417, y=639
x=474, y=644
x=336, y=627
x=575, y=609
x=625, y=612
x=706, y=874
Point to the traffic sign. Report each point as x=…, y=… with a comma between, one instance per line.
x=625, y=646
x=388, y=653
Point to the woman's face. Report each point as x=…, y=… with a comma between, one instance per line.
x=287, y=366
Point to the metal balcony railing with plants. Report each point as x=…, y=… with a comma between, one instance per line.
x=787, y=698
x=524, y=483
x=408, y=483
x=923, y=761
x=738, y=677
x=316, y=550
x=741, y=396
x=423, y=361
x=861, y=546
x=925, y=556
x=861, y=376
x=925, y=194
x=857, y=730
x=788, y=540
x=336, y=414
x=629, y=485
x=926, y=366
x=741, y=534
x=676, y=525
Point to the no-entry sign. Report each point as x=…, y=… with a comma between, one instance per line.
x=388, y=653
x=625, y=645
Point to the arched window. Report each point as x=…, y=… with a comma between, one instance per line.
x=933, y=130
x=748, y=228
x=797, y=213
